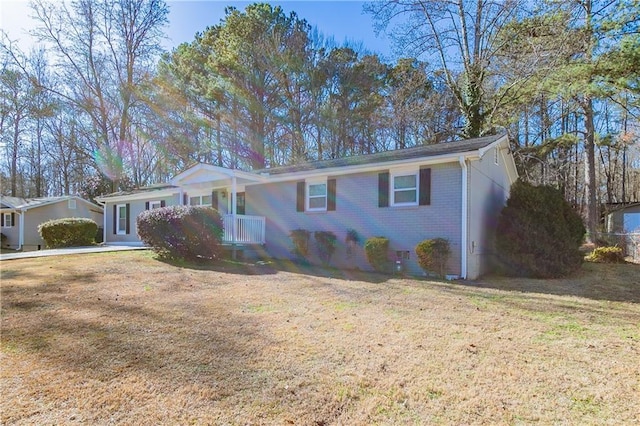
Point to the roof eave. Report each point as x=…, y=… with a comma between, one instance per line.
x=139, y=195
x=364, y=168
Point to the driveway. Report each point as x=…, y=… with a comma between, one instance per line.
x=68, y=250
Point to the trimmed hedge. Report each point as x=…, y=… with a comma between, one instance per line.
x=191, y=233
x=68, y=232
x=377, y=251
x=433, y=255
x=538, y=233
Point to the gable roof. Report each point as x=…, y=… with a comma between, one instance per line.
x=425, y=151
x=17, y=203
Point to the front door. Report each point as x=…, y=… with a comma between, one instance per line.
x=240, y=203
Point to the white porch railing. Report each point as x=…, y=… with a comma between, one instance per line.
x=249, y=229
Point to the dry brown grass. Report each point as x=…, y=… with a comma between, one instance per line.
x=123, y=338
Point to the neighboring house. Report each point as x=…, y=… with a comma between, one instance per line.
x=623, y=226
x=21, y=216
x=451, y=190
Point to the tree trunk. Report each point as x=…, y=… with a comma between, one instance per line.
x=590, y=170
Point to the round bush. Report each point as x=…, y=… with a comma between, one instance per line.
x=538, y=233
x=68, y=232
x=433, y=255
x=182, y=232
x=377, y=249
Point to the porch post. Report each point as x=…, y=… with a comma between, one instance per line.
x=234, y=191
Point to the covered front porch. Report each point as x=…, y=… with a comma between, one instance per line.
x=224, y=190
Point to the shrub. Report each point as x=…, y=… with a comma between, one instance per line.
x=68, y=232
x=433, y=255
x=538, y=233
x=300, y=240
x=182, y=232
x=352, y=236
x=609, y=254
x=351, y=239
x=377, y=249
x=326, y=244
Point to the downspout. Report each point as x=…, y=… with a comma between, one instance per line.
x=465, y=218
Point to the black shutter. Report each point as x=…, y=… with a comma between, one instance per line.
x=383, y=189
x=331, y=195
x=425, y=186
x=300, y=197
x=128, y=214
x=146, y=205
x=13, y=219
x=1, y=219
x=115, y=218
x=163, y=203
x=214, y=199
x=185, y=199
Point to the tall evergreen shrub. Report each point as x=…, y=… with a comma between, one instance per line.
x=538, y=233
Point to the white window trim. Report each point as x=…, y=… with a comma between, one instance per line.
x=7, y=219
x=199, y=197
x=155, y=204
x=307, y=195
x=72, y=204
x=392, y=192
x=118, y=230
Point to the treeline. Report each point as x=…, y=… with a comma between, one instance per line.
x=104, y=109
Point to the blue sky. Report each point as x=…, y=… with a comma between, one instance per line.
x=342, y=20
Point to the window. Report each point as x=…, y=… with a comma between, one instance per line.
x=121, y=219
x=316, y=196
x=72, y=203
x=200, y=200
x=405, y=190
x=155, y=205
x=7, y=220
x=495, y=155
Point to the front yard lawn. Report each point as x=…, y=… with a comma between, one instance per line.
x=124, y=338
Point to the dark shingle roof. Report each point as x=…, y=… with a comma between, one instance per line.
x=388, y=156
x=150, y=188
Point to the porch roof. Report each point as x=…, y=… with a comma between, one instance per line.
x=203, y=173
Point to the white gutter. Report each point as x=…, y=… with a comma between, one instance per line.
x=465, y=218
x=21, y=229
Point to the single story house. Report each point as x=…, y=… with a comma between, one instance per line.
x=21, y=216
x=451, y=190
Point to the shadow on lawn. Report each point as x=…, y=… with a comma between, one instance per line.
x=101, y=337
x=274, y=266
x=610, y=282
